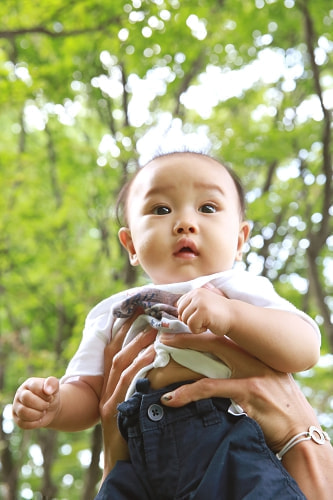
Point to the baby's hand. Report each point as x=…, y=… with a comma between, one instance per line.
x=36, y=402
x=204, y=308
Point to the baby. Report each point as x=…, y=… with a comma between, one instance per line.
x=186, y=228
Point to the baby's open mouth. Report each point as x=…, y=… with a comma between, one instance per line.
x=186, y=252
x=187, y=249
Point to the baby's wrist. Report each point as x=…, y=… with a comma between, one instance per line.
x=231, y=320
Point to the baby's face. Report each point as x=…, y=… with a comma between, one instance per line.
x=184, y=219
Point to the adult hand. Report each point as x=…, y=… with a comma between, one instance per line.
x=271, y=398
x=119, y=369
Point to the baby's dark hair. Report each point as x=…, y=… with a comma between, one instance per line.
x=121, y=203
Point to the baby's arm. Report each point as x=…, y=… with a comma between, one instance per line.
x=40, y=402
x=281, y=339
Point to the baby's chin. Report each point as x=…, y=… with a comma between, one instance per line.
x=182, y=277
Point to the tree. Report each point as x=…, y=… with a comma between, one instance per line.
x=88, y=89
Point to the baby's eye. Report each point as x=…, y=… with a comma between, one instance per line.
x=161, y=210
x=207, y=208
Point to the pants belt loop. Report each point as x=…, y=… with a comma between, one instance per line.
x=208, y=412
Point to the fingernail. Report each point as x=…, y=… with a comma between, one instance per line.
x=167, y=396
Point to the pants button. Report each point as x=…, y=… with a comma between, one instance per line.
x=155, y=412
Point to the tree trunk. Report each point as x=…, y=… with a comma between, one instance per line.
x=9, y=470
x=48, y=444
x=94, y=474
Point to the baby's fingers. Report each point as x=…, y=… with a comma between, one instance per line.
x=29, y=409
x=32, y=401
x=28, y=418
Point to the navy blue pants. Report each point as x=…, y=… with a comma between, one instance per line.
x=198, y=452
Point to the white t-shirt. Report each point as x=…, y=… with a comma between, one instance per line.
x=102, y=324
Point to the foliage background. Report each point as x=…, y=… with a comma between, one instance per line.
x=87, y=89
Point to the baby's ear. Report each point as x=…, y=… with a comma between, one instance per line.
x=243, y=236
x=125, y=238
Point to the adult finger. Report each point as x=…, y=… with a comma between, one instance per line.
x=120, y=380
x=116, y=343
x=202, y=389
x=127, y=361
x=239, y=361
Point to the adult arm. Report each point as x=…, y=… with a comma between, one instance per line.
x=272, y=398
x=120, y=366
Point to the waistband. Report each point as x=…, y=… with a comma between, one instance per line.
x=145, y=412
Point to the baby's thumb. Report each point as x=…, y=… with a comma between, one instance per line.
x=212, y=288
x=51, y=386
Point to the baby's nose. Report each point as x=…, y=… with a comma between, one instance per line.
x=182, y=227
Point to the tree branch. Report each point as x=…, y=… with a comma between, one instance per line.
x=41, y=30
x=196, y=67
x=320, y=237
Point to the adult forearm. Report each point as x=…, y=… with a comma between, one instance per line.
x=311, y=465
x=119, y=372
x=273, y=399
x=115, y=449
